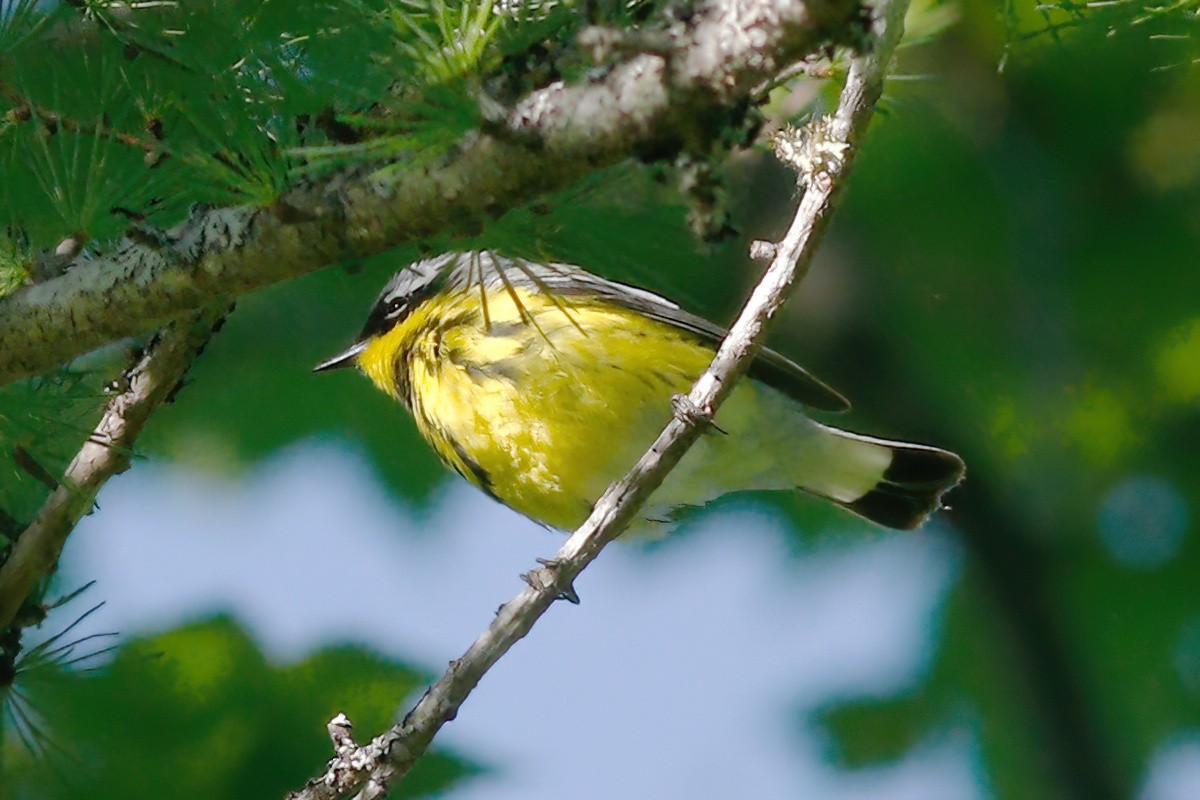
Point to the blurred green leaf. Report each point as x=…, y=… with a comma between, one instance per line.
x=201, y=711
x=873, y=731
x=1025, y=296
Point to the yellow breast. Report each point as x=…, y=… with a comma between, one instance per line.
x=540, y=401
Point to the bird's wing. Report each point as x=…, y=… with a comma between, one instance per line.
x=773, y=369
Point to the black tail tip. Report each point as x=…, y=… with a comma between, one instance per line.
x=911, y=488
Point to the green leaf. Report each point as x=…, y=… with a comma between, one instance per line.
x=200, y=709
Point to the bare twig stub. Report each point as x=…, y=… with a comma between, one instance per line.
x=390, y=755
x=659, y=102
x=107, y=452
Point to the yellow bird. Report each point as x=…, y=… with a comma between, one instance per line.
x=541, y=384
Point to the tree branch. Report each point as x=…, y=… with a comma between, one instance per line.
x=107, y=452
x=370, y=769
x=650, y=103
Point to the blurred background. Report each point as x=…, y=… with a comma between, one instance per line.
x=1012, y=275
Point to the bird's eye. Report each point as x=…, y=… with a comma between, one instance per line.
x=395, y=306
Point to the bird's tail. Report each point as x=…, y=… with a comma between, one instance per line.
x=894, y=484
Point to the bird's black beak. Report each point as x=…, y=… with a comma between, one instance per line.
x=344, y=359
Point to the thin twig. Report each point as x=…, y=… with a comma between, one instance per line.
x=372, y=768
x=23, y=109
x=107, y=452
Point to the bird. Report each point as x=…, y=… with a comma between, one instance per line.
x=542, y=383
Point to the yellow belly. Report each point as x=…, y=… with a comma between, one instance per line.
x=547, y=416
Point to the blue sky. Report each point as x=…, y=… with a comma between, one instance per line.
x=692, y=664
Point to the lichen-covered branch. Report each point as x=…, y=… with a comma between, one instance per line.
x=107, y=452
x=651, y=103
x=827, y=149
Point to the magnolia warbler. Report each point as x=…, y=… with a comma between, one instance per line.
x=541, y=384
